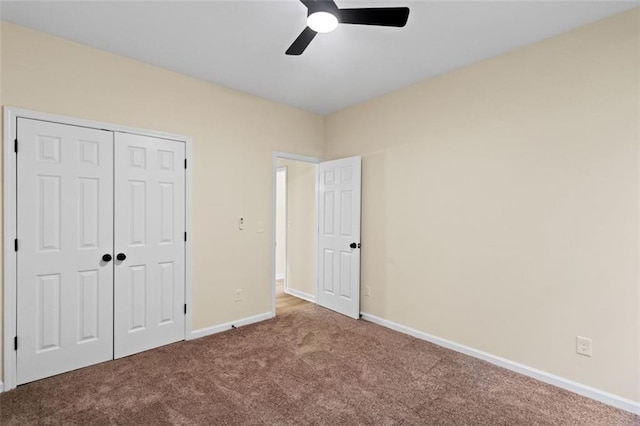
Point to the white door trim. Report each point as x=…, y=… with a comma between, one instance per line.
x=286, y=156
x=9, y=209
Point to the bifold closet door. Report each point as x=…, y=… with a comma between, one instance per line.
x=149, y=243
x=65, y=227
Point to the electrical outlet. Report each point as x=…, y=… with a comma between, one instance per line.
x=367, y=290
x=238, y=295
x=583, y=346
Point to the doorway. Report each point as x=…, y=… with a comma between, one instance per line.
x=322, y=250
x=295, y=233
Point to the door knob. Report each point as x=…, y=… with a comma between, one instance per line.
x=354, y=245
x=121, y=256
x=107, y=257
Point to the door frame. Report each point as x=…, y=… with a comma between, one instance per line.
x=295, y=157
x=9, y=197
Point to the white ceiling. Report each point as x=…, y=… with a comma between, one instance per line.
x=241, y=44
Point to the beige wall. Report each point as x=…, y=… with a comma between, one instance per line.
x=500, y=204
x=301, y=231
x=234, y=135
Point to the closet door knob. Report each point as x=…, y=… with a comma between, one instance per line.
x=121, y=256
x=107, y=257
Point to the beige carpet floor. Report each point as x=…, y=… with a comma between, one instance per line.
x=307, y=366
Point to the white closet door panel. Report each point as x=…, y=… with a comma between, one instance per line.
x=339, y=231
x=65, y=217
x=149, y=230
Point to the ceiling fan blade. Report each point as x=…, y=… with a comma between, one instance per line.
x=328, y=6
x=384, y=16
x=308, y=3
x=301, y=43
x=320, y=5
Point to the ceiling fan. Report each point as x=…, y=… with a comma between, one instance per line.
x=323, y=16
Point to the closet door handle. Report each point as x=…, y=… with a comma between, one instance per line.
x=107, y=257
x=121, y=256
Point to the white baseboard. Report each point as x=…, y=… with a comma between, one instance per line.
x=1, y=387
x=279, y=276
x=301, y=294
x=543, y=376
x=229, y=325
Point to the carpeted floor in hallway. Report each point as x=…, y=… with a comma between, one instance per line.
x=306, y=366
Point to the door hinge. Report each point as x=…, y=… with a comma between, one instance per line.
x=185, y=235
x=15, y=244
x=15, y=343
x=185, y=308
x=15, y=145
x=185, y=163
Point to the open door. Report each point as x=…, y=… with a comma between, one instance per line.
x=339, y=194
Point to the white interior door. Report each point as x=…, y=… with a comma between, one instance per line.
x=65, y=217
x=150, y=232
x=339, y=235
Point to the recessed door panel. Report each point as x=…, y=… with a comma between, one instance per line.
x=48, y=297
x=346, y=174
x=346, y=264
x=167, y=205
x=166, y=160
x=49, y=205
x=329, y=177
x=167, y=287
x=327, y=268
x=88, y=306
x=149, y=231
x=329, y=213
x=65, y=217
x=138, y=222
x=89, y=155
x=138, y=157
x=138, y=297
x=48, y=148
x=88, y=213
x=346, y=213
